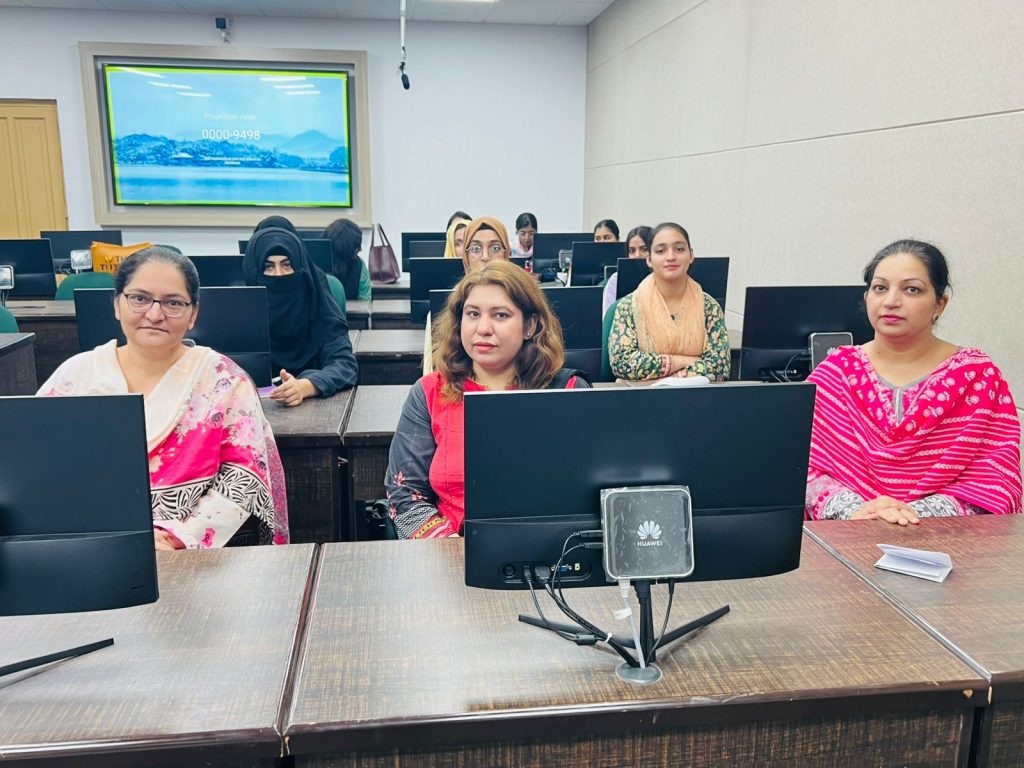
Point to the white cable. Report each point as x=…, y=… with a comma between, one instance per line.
x=627, y=612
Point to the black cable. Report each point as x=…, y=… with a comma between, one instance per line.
x=536, y=604
x=664, y=624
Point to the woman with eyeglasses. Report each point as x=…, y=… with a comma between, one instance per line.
x=497, y=332
x=213, y=465
x=638, y=246
x=309, y=343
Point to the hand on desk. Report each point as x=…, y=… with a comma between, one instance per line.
x=166, y=541
x=292, y=390
x=888, y=509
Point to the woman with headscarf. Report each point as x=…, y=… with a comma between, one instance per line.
x=309, y=341
x=346, y=240
x=454, y=246
x=278, y=222
x=484, y=239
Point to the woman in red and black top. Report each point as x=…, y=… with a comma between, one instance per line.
x=496, y=332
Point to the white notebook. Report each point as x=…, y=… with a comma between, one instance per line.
x=934, y=566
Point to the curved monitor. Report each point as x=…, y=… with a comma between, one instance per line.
x=76, y=525
x=742, y=449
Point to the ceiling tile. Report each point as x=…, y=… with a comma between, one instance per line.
x=527, y=12
x=318, y=9
x=438, y=10
x=165, y=6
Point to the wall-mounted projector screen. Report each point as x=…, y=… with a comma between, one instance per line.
x=190, y=135
x=207, y=136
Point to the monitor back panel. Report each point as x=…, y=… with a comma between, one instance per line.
x=33, y=268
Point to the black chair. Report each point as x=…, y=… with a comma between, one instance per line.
x=234, y=321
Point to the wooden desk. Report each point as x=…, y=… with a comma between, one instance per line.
x=53, y=323
x=196, y=678
x=367, y=436
x=358, y=314
x=390, y=357
x=396, y=290
x=977, y=612
x=309, y=439
x=404, y=665
x=17, y=364
x=391, y=314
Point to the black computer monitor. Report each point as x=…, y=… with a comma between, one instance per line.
x=409, y=237
x=745, y=467
x=426, y=275
x=578, y=309
x=546, y=246
x=33, y=268
x=219, y=271
x=712, y=272
x=426, y=249
x=63, y=242
x=778, y=323
x=590, y=259
x=319, y=250
x=76, y=525
x=234, y=321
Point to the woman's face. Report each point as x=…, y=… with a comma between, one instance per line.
x=154, y=327
x=526, y=237
x=671, y=255
x=604, y=235
x=900, y=300
x=636, y=248
x=493, y=329
x=460, y=242
x=485, y=246
x=278, y=265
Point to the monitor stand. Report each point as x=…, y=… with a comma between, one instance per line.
x=649, y=644
x=39, y=661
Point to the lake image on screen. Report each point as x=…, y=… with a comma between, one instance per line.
x=200, y=136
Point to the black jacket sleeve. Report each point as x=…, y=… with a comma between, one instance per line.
x=338, y=369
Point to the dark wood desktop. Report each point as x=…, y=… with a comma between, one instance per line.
x=17, y=364
x=196, y=678
x=367, y=436
x=309, y=439
x=389, y=356
x=391, y=314
x=396, y=290
x=405, y=665
x=53, y=323
x=977, y=611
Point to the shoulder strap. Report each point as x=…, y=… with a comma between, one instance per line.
x=564, y=375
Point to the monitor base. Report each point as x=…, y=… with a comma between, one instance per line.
x=38, y=661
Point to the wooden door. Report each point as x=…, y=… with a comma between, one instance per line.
x=31, y=173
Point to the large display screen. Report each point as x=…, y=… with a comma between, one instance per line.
x=208, y=136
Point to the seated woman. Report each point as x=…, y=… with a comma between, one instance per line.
x=213, y=465
x=606, y=231
x=277, y=222
x=454, y=245
x=908, y=425
x=522, y=241
x=668, y=326
x=309, y=341
x=346, y=242
x=638, y=246
x=497, y=332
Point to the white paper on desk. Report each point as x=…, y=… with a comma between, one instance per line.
x=681, y=381
x=922, y=563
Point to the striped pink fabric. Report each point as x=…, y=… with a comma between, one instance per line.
x=959, y=436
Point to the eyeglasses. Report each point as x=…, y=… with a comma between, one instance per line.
x=494, y=250
x=139, y=302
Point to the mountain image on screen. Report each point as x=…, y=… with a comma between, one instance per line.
x=228, y=137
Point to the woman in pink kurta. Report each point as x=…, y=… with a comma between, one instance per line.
x=213, y=463
x=910, y=426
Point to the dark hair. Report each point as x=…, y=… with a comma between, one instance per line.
x=671, y=225
x=167, y=256
x=608, y=224
x=346, y=239
x=457, y=215
x=526, y=220
x=644, y=233
x=926, y=253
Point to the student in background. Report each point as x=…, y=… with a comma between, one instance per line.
x=213, y=465
x=454, y=245
x=346, y=242
x=457, y=215
x=606, y=231
x=638, y=246
x=909, y=425
x=496, y=333
x=309, y=341
x=522, y=241
x=278, y=222
x=668, y=326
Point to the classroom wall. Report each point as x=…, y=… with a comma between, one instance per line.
x=798, y=137
x=475, y=131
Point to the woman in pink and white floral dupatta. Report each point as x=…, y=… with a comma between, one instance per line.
x=213, y=463
x=910, y=426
